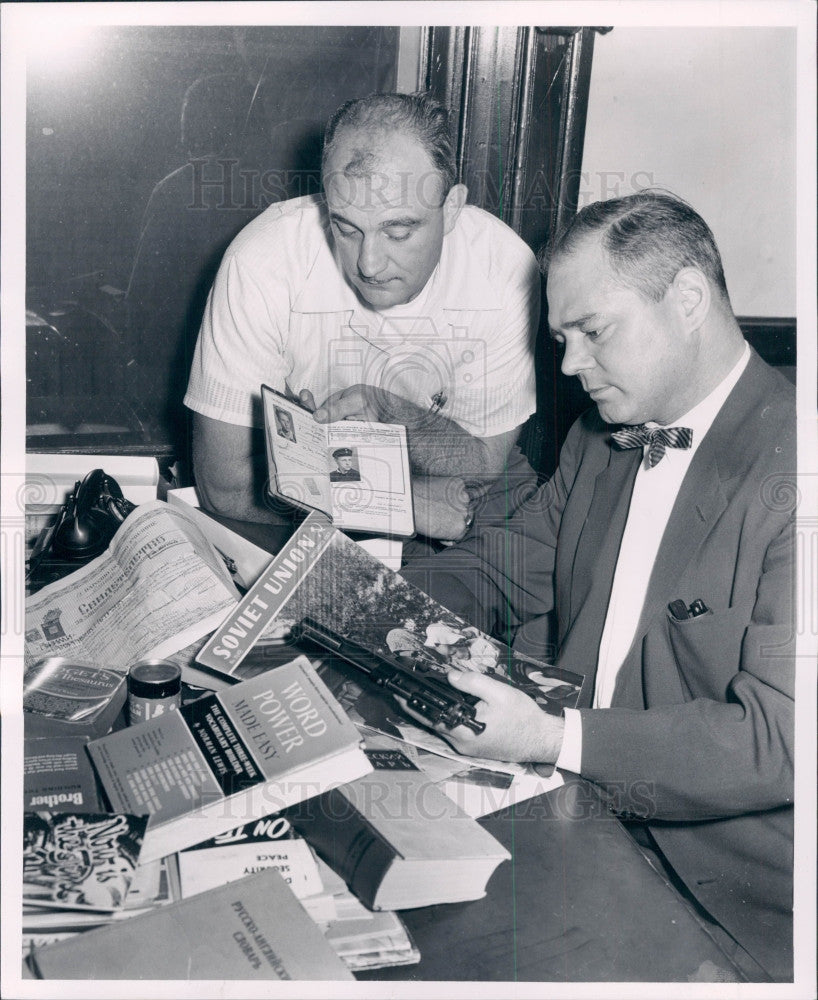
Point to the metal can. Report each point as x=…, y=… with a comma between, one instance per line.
x=154, y=688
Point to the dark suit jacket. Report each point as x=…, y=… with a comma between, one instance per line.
x=699, y=738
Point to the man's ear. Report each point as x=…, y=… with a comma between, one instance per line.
x=453, y=205
x=693, y=295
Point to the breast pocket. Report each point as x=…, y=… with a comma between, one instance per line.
x=707, y=650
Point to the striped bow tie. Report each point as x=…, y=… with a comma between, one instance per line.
x=657, y=439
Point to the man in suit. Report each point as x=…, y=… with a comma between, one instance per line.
x=660, y=567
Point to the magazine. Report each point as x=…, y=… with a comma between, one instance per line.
x=80, y=861
x=321, y=574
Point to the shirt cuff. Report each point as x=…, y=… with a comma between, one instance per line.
x=570, y=755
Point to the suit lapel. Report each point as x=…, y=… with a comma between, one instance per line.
x=601, y=532
x=598, y=529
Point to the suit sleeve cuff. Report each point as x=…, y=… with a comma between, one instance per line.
x=570, y=755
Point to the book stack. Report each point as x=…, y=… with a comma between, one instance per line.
x=361, y=938
x=154, y=883
x=269, y=842
x=216, y=784
x=365, y=939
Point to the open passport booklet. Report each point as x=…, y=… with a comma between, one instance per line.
x=354, y=471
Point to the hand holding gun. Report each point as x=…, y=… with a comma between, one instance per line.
x=435, y=700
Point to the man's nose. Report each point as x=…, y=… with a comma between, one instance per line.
x=371, y=258
x=576, y=358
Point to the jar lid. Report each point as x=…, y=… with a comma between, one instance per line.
x=154, y=679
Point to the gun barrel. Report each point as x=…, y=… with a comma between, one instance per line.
x=429, y=696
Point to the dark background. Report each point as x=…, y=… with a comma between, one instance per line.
x=114, y=320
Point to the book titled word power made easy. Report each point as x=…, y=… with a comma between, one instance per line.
x=226, y=758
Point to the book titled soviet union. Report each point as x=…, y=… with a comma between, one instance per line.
x=230, y=757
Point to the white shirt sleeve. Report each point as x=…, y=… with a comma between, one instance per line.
x=240, y=345
x=570, y=756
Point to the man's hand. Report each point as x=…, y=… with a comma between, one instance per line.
x=364, y=402
x=441, y=506
x=517, y=729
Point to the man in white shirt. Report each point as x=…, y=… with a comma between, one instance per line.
x=386, y=298
x=663, y=547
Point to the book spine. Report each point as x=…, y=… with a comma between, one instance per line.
x=347, y=841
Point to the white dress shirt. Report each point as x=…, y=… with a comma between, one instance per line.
x=654, y=495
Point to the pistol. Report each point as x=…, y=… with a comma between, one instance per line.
x=436, y=700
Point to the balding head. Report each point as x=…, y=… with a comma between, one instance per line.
x=379, y=118
x=389, y=202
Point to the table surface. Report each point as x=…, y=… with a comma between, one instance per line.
x=578, y=902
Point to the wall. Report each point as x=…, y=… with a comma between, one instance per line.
x=710, y=114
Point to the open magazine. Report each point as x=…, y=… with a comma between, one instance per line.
x=354, y=471
x=322, y=575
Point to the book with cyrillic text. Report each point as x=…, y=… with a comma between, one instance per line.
x=230, y=757
x=254, y=928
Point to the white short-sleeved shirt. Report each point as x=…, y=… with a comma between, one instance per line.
x=281, y=311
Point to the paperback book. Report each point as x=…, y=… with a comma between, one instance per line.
x=354, y=471
x=269, y=842
x=229, y=757
x=58, y=776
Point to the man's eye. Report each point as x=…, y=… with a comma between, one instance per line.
x=399, y=234
x=592, y=334
x=345, y=230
